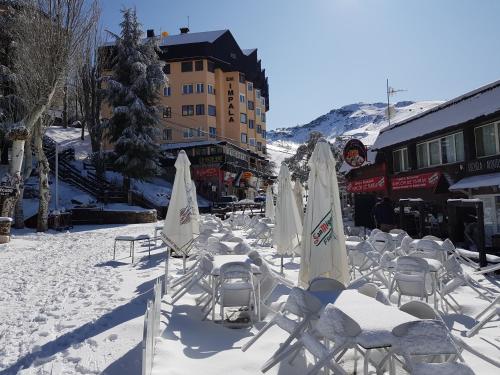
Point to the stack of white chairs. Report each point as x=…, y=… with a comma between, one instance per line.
x=485, y=316
x=412, y=278
x=365, y=261
x=382, y=242
x=427, y=248
x=296, y=315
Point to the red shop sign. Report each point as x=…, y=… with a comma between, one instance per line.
x=417, y=181
x=366, y=185
x=206, y=172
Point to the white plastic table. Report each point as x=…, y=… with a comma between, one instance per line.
x=220, y=260
x=375, y=319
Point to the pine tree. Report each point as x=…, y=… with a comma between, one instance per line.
x=133, y=94
x=298, y=163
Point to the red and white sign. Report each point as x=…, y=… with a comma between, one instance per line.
x=417, y=181
x=202, y=173
x=367, y=185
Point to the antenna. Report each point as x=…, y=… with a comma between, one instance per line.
x=390, y=91
x=188, y=22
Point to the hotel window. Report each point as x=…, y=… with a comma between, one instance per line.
x=243, y=118
x=444, y=150
x=243, y=137
x=167, y=91
x=250, y=105
x=187, y=89
x=264, y=134
x=487, y=139
x=166, y=68
x=188, y=110
x=257, y=112
x=167, y=112
x=198, y=65
x=259, y=146
x=257, y=94
x=167, y=134
x=212, y=132
x=263, y=117
x=200, y=87
x=250, y=124
x=210, y=66
x=210, y=89
x=212, y=110
x=252, y=141
x=400, y=160
x=242, y=98
x=188, y=133
x=242, y=78
x=200, y=109
x=262, y=101
x=250, y=86
x=259, y=129
x=187, y=66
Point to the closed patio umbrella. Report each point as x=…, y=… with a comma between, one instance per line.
x=270, y=211
x=323, y=244
x=288, y=229
x=181, y=225
x=298, y=192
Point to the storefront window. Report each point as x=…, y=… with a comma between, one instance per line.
x=434, y=154
x=400, y=159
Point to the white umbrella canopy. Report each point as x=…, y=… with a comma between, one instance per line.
x=181, y=223
x=270, y=211
x=288, y=230
x=298, y=192
x=323, y=243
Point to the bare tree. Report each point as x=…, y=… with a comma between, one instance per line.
x=47, y=35
x=90, y=96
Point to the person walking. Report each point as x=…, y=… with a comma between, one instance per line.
x=383, y=213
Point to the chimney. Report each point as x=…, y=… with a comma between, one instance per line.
x=184, y=30
x=150, y=33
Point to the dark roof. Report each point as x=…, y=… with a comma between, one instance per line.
x=472, y=105
x=190, y=38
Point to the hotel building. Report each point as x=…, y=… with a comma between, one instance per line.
x=214, y=107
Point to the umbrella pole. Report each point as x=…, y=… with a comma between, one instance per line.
x=167, y=258
x=282, y=264
x=184, y=263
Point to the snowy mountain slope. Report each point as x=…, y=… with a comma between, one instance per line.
x=360, y=120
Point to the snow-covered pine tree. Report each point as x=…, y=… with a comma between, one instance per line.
x=132, y=93
x=298, y=163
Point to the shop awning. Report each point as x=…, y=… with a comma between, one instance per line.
x=472, y=182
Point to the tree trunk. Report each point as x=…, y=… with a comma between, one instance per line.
x=44, y=190
x=65, y=107
x=27, y=168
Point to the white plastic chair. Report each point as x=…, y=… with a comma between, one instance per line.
x=404, y=248
x=429, y=249
x=202, y=272
x=397, y=231
x=325, y=284
x=373, y=233
x=412, y=278
x=418, y=340
x=432, y=238
x=373, y=291
x=294, y=317
x=236, y=287
x=382, y=242
x=353, y=238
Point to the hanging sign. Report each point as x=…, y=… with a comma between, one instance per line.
x=417, y=181
x=367, y=185
x=355, y=153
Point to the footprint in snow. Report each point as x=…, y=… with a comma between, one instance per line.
x=112, y=337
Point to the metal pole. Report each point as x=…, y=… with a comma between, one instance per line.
x=57, y=177
x=388, y=108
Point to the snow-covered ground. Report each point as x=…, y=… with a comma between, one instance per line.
x=67, y=308
x=278, y=151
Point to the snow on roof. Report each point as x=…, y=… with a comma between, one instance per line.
x=491, y=179
x=190, y=38
x=482, y=101
x=248, y=51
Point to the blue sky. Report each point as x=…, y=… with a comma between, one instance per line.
x=322, y=54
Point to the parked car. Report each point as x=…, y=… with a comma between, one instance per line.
x=260, y=199
x=226, y=201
